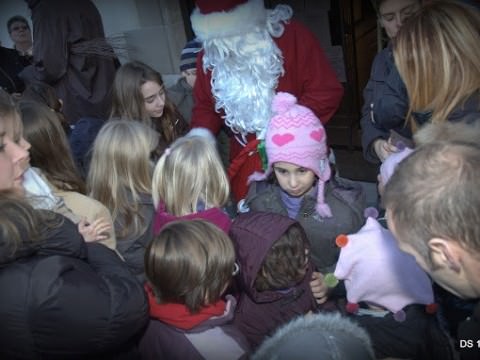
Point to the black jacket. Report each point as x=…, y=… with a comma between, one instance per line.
x=64, y=298
x=469, y=336
x=11, y=64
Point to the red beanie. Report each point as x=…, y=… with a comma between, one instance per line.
x=210, y=6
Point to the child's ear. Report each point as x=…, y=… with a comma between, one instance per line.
x=444, y=253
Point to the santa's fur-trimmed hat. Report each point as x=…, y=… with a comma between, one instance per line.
x=223, y=18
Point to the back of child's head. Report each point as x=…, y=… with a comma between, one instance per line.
x=272, y=251
x=377, y=272
x=120, y=168
x=326, y=336
x=190, y=262
x=295, y=135
x=50, y=151
x=285, y=263
x=190, y=173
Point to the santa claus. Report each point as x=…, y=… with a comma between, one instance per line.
x=249, y=54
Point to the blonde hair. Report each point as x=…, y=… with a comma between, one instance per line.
x=190, y=172
x=190, y=262
x=437, y=55
x=120, y=170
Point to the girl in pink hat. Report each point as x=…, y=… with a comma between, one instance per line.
x=298, y=182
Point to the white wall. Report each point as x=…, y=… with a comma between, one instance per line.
x=118, y=15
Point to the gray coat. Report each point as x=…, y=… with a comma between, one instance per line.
x=132, y=246
x=346, y=200
x=181, y=95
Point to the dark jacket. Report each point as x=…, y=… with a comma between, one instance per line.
x=470, y=330
x=68, y=37
x=418, y=337
x=11, y=64
x=66, y=299
x=260, y=313
x=81, y=139
x=215, y=338
x=468, y=111
x=132, y=247
x=385, y=104
x=346, y=200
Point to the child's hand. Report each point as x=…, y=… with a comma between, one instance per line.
x=384, y=148
x=319, y=288
x=95, y=231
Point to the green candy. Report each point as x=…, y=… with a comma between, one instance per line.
x=330, y=280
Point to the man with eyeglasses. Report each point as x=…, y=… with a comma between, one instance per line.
x=21, y=35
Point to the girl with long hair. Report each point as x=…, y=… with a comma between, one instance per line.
x=120, y=178
x=139, y=94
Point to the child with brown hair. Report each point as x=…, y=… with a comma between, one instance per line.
x=275, y=273
x=189, y=266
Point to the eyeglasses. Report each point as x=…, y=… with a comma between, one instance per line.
x=20, y=27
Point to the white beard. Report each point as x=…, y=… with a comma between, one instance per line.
x=245, y=71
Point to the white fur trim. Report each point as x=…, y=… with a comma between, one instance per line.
x=202, y=132
x=240, y=20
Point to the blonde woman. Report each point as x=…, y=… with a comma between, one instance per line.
x=437, y=55
x=120, y=178
x=189, y=182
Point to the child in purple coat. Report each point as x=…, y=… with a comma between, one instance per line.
x=275, y=273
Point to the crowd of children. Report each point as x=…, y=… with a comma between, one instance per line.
x=135, y=253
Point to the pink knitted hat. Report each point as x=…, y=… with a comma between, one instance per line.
x=296, y=135
x=390, y=163
x=375, y=270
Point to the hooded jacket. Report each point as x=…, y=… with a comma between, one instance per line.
x=260, y=313
x=346, y=200
x=64, y=298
